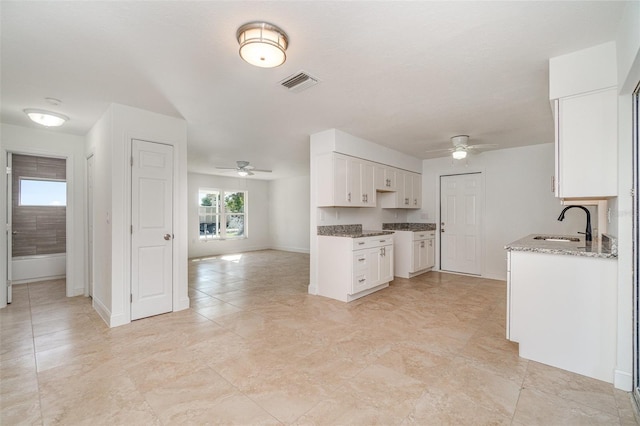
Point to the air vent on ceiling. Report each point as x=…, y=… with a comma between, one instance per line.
x=299, y=81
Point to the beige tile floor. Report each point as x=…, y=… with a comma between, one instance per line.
x=255, y=348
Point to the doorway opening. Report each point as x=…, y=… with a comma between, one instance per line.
x=37, y=218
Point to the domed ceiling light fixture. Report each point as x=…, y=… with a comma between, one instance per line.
x=262, y=44
x=46, y=118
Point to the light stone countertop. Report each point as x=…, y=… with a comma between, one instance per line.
x=595, y=248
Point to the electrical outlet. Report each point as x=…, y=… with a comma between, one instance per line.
x=609, y=215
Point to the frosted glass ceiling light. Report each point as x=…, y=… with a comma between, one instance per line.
x=262, y=44
x=46, y=118
x=459, y=153
x=243, y=173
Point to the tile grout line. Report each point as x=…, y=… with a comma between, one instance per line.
x=35, y=359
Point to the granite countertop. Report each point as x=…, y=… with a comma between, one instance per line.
x=349, y=231
x=604, y=248
x=415, y=227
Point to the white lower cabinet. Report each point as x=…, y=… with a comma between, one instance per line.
x=562, y=311
x=350, y=268
x=415, y=252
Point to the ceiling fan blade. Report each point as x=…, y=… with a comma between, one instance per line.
x=261, y=170
x=483, y=146
x=439, y=150
x=227, y=168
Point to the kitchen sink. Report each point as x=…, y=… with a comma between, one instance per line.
x=557, y=238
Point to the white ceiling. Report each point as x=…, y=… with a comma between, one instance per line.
x=407, y=75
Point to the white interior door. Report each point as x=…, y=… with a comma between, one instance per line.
x=460, y=223
x=152, y=229
x=9, y=211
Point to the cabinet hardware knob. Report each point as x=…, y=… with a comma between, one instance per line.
x=167, y=237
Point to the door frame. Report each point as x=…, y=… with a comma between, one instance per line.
x=70, y=213
x=438, y=242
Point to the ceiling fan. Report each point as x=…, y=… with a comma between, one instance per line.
x=461, y=147
x=243, y=168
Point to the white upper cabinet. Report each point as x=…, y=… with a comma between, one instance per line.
x=408, y=194
x=586, y=144
x=582, y=88
x=345, y=181
x=386, y=177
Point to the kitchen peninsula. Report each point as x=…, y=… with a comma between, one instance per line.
x=561, y=302
x=353, y=263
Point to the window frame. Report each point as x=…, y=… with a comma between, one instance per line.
x=219, y=214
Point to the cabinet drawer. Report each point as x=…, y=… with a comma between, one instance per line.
x=360, y=262
x=423, y=235
x=369, y=242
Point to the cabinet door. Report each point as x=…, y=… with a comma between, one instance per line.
x=416, y=188
x=342, y=181
x=415, y=256
x=379, y=177
x=587, y=145
x=431, y=253
x=355, y=180
x=367, y=184
x=385, y=266
x=391, y=179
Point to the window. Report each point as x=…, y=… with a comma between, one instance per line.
x=42, y=192
x=222, y=214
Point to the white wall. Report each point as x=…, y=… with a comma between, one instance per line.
x=258, y=233
x=628, y=64
x=110, y=143
x=289, y=214
x=54, y=143
x=518, y=199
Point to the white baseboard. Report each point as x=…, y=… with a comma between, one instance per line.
x=623, y=380
x=182, y=305
x=312, y=289
x=102, y=311
x=291, y=249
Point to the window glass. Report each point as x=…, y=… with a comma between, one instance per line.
x=42, y=192
x=222, y=214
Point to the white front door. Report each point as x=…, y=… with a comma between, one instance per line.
x=152, y=229
x=460, y=223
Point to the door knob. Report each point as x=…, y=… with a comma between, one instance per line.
x=167, y=237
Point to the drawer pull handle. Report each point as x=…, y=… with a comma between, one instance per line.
x=361, y=260
x=361, y=280
x=360, y=244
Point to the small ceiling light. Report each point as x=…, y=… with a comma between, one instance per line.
x=243, y=173
x=46, y=118
x=459, y=153
x=262, y=44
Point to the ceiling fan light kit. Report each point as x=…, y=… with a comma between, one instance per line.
x=459, y=153
x=262, y=44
